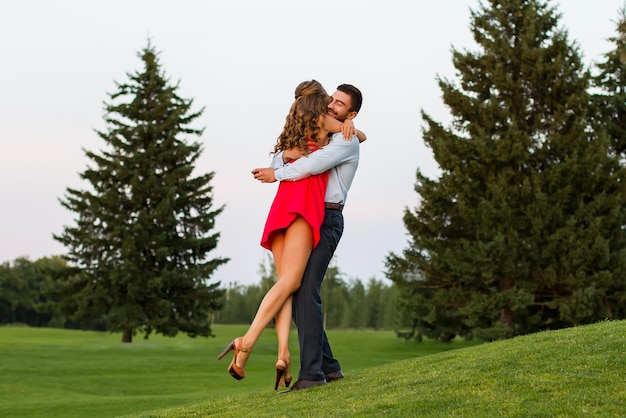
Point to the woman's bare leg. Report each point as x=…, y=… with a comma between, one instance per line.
x=283, y=327
x=297, y=246
x=283, y=318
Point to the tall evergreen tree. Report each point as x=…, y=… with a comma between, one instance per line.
x=610, y=99
x=144, y=228
x=610, y=118
x=522, y=230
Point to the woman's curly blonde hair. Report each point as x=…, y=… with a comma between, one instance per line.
x=303, y=118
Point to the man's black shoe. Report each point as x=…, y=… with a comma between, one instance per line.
x=304, y=384
x=331, y=377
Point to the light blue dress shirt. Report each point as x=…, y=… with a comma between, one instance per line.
x=340, y=158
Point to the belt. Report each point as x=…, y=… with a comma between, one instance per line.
x=334, y=206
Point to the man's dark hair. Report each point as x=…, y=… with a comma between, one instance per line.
x=355, y=96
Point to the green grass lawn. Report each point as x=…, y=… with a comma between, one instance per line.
x=576, y=372
x=62, y=373
x=567, y=373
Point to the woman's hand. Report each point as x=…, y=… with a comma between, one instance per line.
x=264, y=175
x=348, y=129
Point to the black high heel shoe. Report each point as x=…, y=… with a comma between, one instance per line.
x=283, y=374
x=234, y=370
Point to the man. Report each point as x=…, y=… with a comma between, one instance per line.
x=341, y=159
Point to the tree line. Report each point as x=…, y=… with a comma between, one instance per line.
x=347, y=303
x=29, y=294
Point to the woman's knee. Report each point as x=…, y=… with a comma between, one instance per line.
x=294, y=285
x=289, y=285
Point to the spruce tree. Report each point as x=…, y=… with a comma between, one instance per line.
x=609, y=101
x=521, y=231
x=144, y=227
x=610, y=94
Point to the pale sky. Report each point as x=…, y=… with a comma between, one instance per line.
x=241, y=60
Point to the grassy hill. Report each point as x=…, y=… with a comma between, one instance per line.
x=568, y=373
x=75, y=374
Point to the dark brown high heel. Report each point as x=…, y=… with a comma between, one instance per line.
x=283, y=375
x=234, y=370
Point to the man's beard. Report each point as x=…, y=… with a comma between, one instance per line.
x=336, y=116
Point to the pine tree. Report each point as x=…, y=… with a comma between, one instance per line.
x=143, y=228
x=521, y=231
x=610, y=100
x=610, y=118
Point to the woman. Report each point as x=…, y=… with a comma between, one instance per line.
x=292, y=228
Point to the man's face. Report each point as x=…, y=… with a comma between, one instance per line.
x=339, y=107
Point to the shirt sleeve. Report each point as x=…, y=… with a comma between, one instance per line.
x=338, y=151
x=276, y=160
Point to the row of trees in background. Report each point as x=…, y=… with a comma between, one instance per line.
x=524, y=229
x=346, y=303
x=30, y=294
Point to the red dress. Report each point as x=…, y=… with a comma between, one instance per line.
x=303, y=197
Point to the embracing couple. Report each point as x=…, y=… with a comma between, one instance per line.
x=315, y=160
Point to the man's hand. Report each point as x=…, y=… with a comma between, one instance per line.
x=292, y=154
x=264, y=175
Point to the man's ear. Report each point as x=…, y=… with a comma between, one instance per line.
x=351, y=115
